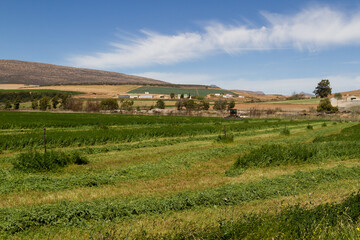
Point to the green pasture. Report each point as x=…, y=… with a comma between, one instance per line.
x=300, y=101
x=113, y=176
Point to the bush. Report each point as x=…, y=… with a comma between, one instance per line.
x=229, y=138
x=92, y=106
x=325, y=106
x=109, y=104
x=127, y=104
x=220, y=105
x=285, y=131
x=160, y=104
x=43, y=162
x=34, y=104
x=309, y=127
x=44, y=103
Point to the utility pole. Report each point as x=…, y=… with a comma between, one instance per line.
x=45, y=139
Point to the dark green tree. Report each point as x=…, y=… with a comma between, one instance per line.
x=17, y=103
x=220, y=104
x=126, y=104
x=190, y=105
x=160, y=104
x=172, y=95
x=323, y=88
x=44, y=103
x=109, y=104
x=325, y=106
x=34, y=104
x=338, y=96
x=231, y=104
x=8, y=105
x=204, y=105
x=55, y=101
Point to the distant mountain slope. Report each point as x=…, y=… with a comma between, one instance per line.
x=249, y=92
x=19, y=72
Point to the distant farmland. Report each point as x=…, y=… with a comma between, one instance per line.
x=191, y=91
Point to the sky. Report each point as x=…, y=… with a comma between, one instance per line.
x=272, y=46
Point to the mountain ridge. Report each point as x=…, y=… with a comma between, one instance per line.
x=36, y=73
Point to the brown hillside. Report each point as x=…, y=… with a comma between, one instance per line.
x=32, y=73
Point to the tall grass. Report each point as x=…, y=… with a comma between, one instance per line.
x=75, y=213
x=283, y=154
x=43, y=162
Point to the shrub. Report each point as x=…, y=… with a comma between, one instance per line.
x=34, y=104
x=325, y=106
x=92, y=106
x=44, y=103
x=309, y=127
x=43, y=162
x=229, y=138
x=160, y=104
x=109, y=104
x=8, y=105
x=324, y=125
x=126, y=104
x=285, y=131
x=17, y=103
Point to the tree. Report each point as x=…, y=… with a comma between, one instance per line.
x=127, y=104
x=55, y=101
x=338, y=96
x=8, y=105
x=172, y=95
x=204, y=105
x=220, y=104
x=17, y=103
x=160, y=104
x=180, y=104
x=109, y=104
x=231, y=105
x=34, y=104
x=325, y=106
x=323, y=88
x=190, y=105
x=44, y=103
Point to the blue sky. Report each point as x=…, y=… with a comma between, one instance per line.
x=271, y=46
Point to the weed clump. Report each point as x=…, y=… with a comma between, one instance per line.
x=285, y=132
x=229, y=138
x=49, y=161
x=309, y=127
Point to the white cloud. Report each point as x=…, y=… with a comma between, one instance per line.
x=310, y=29
x=339, y=83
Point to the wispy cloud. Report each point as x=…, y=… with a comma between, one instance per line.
x=311, y=29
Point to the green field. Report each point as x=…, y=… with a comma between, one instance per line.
x=301, y=101
x=113, y=176
x=191, y=91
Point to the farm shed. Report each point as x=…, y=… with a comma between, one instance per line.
x=123, y=96
x=134, y=96
x=146, y=96
x=346, y=104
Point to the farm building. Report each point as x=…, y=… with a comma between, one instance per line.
x=146, y=96
x=228, y=96
x=123, y=96
x=347, y=103
x=134, y=96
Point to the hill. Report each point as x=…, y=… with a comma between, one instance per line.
x=33, y=73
